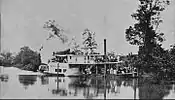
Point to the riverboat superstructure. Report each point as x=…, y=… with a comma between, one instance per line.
x=70, y=64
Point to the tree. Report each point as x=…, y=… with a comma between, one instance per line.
x=172, y=50
x=75, y=46
x=172, y=57
x=145, y=33
x=111, y=56
x=6, y=58
x=28, y=59
x=89, y=42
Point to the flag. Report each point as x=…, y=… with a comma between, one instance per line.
x=41, y=48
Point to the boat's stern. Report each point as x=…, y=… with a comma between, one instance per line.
x=62, y=69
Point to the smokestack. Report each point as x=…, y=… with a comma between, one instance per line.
x=105, y=68
x=105, y=47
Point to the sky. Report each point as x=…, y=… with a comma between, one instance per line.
x=22, y=23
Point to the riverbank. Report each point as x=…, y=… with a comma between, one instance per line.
x=16, y=71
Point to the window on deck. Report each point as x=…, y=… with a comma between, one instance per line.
x=64, y=70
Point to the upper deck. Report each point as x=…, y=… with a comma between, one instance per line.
x=83, y=59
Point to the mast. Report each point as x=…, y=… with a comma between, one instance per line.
x=105, y=58
x=104, y=69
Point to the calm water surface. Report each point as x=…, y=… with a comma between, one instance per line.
x=33, y=86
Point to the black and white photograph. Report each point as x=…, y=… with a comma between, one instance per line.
x=87, y=49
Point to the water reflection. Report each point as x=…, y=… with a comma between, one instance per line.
x=88, y=87
x=91, y=87
x=27, y=80
x=96, y=87
x=151, y=90
x=44, y=80
x=4, y=79
x=61, y=89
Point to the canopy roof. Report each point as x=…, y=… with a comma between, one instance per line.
x=69, y=52
x=65, y=52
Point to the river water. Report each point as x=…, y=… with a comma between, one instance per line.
x=38, y=86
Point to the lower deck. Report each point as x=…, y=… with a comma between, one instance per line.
x=71, y=69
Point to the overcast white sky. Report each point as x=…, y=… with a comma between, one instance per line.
x=23, y=20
